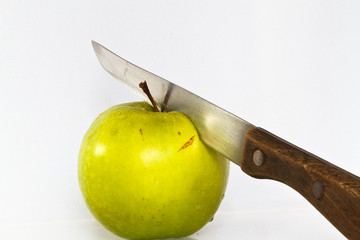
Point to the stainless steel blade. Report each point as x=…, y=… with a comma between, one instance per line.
x=217, y=128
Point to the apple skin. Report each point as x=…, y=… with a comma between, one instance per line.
x=146, y=174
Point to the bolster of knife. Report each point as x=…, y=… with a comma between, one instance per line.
x=334, y=192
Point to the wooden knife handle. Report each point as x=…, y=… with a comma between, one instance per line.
x=333, y=191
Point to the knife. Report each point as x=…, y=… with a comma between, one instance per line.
x=334, y=192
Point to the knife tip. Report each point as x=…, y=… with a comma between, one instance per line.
x=94, y=43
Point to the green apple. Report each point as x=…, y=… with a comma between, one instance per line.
x=147, y=175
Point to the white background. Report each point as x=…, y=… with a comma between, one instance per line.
x=291, y=67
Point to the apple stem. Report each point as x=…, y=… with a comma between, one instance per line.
x=143, y=85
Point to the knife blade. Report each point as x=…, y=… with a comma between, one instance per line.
x=217, y=128
x=333, y=191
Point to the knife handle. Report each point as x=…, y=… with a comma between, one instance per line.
x=334, y=192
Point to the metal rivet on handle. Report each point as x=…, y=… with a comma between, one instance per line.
x=258, y=158
x=318, y=189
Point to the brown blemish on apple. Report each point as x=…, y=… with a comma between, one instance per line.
x=187, y=144
x=141, y=132
x=179, y=133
